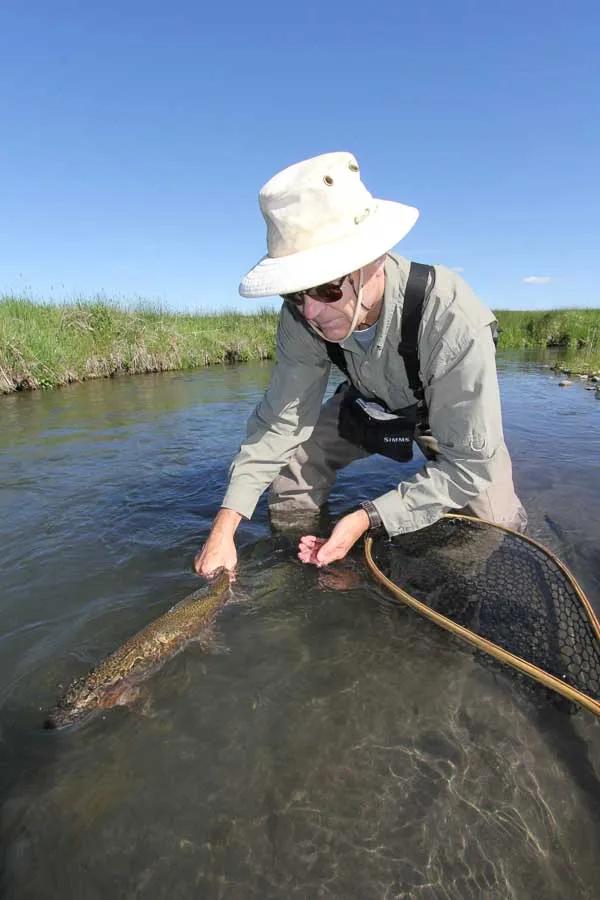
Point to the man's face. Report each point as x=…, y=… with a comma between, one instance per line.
x=334, y=319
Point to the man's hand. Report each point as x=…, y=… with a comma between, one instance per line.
x=321, y=551
x=219, y=550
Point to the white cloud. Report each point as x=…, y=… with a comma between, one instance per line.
x=537, y=279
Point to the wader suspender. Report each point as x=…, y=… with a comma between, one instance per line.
x=412, y=310
x=408, y=348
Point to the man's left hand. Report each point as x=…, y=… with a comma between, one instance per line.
x=322, y=551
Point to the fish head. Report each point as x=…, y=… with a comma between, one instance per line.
x=81, y=702
x=77, y=705
x=62, y=717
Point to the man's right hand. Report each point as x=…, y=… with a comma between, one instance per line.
x=219, y=550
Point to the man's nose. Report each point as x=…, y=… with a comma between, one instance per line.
x=310, y=307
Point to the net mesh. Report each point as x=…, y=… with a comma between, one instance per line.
x=503, y=588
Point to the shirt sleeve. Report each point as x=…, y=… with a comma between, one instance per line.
x=284, y=418
x=461, y=390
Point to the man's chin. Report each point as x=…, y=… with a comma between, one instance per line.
x=334, y=332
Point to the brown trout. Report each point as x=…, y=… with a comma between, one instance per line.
x=113, y=681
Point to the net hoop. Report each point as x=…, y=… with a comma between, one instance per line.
x=504, y=656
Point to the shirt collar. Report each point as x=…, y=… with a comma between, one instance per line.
x=396, y=275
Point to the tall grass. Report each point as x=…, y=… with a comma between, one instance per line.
x=573, y=333
x=43, y=345
x=574, y=328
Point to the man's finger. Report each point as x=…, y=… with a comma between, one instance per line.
x=325, y=555
x=308, y=555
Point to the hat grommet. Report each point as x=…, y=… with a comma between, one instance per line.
x=353, y=167
x=328, y=180
x=361, y=218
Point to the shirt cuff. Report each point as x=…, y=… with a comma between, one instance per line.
x=242, y=501
x=397, y=519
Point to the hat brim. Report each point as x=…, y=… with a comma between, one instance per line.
x=388, y=224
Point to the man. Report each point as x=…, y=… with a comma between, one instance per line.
x=347, y=298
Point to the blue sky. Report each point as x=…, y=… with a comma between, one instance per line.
x=135, y=138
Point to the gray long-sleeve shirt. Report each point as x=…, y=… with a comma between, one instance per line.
x=457, y=369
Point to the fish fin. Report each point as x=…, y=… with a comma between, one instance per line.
x=210, y=641
x=236, y=595
x=129, y=696
x=146, y=707
x=139, y=699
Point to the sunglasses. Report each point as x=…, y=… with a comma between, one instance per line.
x=325, y=293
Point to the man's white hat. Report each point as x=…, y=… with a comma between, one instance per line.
x=322, y=223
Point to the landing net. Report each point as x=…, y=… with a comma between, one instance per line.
x=503, y=593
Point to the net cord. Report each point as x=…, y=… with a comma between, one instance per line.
x=504, y=656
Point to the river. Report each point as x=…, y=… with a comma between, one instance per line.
x=329, y=744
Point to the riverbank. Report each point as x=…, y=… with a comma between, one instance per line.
x=45, y=345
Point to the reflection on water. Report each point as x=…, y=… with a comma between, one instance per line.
x=331, y=744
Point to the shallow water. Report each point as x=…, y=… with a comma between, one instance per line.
x=331, y=744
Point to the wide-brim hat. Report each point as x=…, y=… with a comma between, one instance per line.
x=322, y=223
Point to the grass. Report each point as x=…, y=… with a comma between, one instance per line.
x=573, y=328
x=573, y=333
x=44, y=345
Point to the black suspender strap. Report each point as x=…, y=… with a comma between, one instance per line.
x=336, y=355
x=412, y=309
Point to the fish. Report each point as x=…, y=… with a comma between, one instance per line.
x=115, y=680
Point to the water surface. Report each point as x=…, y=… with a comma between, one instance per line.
x=331, y=744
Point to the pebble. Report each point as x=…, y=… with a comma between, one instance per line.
x=564, y=383
x=595, y=378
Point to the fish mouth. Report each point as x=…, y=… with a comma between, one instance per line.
x=58, y=718
x=68, y=716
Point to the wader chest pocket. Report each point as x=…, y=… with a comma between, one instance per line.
x=371, y=426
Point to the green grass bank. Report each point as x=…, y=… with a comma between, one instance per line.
x=44, y=345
